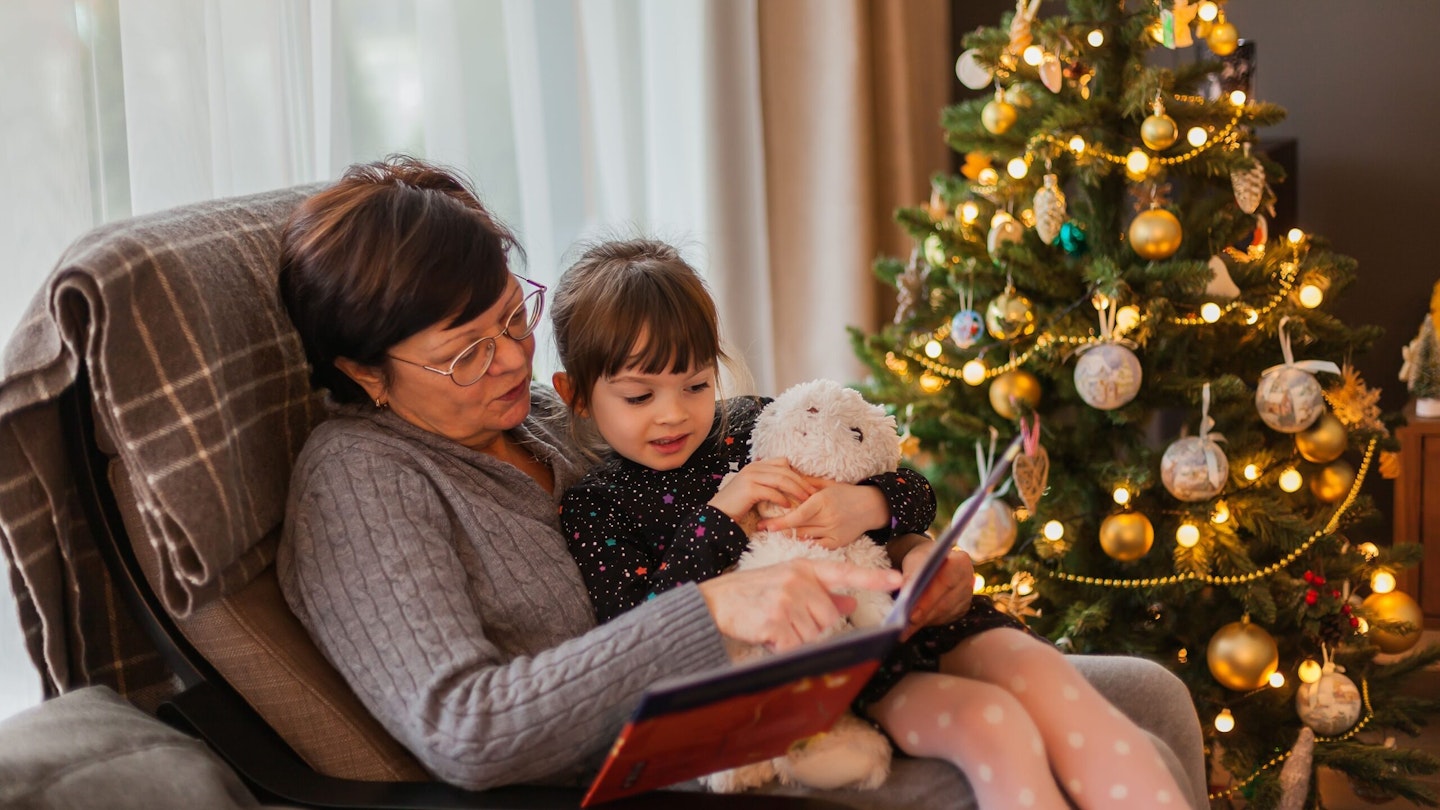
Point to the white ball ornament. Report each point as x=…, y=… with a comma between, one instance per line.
x=1107, y=376
x=965, y=328
x=1330, y=706
x=991, y=532
x=1194, y=469
x=1289, y=399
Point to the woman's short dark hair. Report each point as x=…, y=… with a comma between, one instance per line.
x=392, y=248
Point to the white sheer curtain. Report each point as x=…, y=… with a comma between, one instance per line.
x=572, y=118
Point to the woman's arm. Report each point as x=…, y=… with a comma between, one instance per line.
x=372, y=567
x=620, y=569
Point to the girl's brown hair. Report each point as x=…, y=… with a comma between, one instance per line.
x=390, y=249
x=620, y=292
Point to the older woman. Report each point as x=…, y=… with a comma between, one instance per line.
x=422, y=547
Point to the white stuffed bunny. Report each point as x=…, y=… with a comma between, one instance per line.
x=827, y=431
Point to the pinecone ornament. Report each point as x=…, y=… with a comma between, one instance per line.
x=910, y=288
x=1249, y=185
x=1049, y=209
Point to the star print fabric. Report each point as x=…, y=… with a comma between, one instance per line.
x=636, y=532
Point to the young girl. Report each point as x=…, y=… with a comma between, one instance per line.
x=638, y=336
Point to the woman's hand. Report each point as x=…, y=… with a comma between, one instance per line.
x=835, y=515
x=948, y=596
x=768, y=480
x=784, y=605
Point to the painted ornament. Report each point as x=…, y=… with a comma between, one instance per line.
x=1288, y=396
x=936, y=254
x=991, y=532
x=1049, y=207
x=1330, y=705
x=1195, y=468
x=1107, y=376
x=965, y=328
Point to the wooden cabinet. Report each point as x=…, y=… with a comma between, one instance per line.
x=1417, y=509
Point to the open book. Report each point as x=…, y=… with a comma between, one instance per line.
x=698, y=724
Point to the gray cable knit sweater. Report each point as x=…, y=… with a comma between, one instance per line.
x=436, y=580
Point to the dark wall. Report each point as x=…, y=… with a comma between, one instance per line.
x=1364, y=109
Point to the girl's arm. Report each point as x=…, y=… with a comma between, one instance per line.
x=621, y=571
x=883, y=506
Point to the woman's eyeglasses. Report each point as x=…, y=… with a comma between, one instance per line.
x=474, y=360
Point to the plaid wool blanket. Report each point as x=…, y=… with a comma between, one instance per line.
x=199, y=383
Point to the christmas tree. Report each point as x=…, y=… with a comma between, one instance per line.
x=1101, y=280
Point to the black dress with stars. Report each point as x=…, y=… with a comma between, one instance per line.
x=636, y=532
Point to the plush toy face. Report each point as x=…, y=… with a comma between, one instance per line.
x=827, y=431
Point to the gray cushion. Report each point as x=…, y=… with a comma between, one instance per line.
x=90, y=749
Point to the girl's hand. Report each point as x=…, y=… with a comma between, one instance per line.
x=769, y=480
x=835, y=515
x=949, y=594
x=784, y=605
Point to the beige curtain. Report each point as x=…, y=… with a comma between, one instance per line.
x=851, y=92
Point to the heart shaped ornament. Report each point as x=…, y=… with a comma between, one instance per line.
x=1031, y=471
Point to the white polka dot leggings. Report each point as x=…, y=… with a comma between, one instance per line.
x=1011, y=713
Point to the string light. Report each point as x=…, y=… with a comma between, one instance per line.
x=1210, y=312
x=1208, y=11
x=973, y=372
x=1252, y=472
x=1187, y=535
x=933, y=349
x=1277, y=679
x=1054, y=530
x=1295, y=236
x=979, y=583
x=1127, y=318
x=987, y=177
x=1382, y=581
x=1227, y=135
x=1224, y=721
x=969, y=212
x=1077, y=144
x=1033, y=55
x=1017, y=167
x=1311, y=296
x=1369, y=549
x=1309, y=671
x=1221, y=513
x=1121, y=495
x=1197, y=136
x=1238, y=98
x=1137, y=162
x=1291, y=480
x=1096, y=38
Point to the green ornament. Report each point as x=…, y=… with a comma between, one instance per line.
x=1072, y=238
x=935, y=252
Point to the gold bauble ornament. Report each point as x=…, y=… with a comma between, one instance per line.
x=998, y=115
x=1010, y=389
x=1395, y=606
x=1223, y=38
x=1324, y=441
x=1333, y=481
x=1242, y=656
x=1009, y=315
x=1126, y=536
x=1159, y=131
x=1155, y=234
